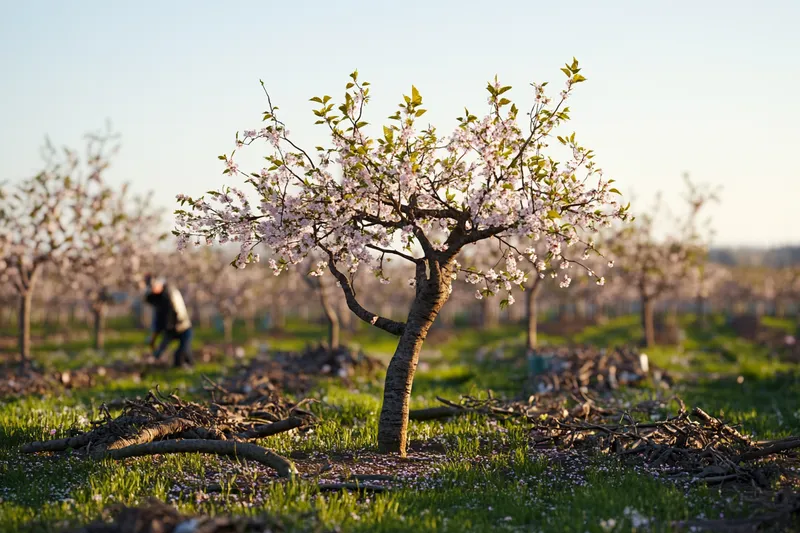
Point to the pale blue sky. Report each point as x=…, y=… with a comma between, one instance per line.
x=709, y=87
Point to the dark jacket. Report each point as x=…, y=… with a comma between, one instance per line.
x=170, y=310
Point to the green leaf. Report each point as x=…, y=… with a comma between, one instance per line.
x=614, y=190
x=577, y=78
x=420, y=112
x=504, y=89
x=415, y=96
x=317, y=99
x=553, y=214
x=503, y=101
x=222, y=157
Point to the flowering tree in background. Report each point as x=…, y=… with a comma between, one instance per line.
x=229, y=291
x=658, y=266
x=47, y=219
x=784, y=285
x=124, y=229
x=704, y=280
x=536, y=258
x=410, y=193
x=318, y=280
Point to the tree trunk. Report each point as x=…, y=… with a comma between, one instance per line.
x=393, y=423
x=780, y=308
x=580, y=309
x=490, y=312
x=345, y=316
x=532, y=315
x=701, y=310
x=278, y=314
x=100, y=310
x=331, y=315
x=24, y=324
x=647, y=322
x=227, y=329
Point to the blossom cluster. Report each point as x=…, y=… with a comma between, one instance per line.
x=412, y=193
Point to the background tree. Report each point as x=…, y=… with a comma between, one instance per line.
x=657, y=266
x=47, y=219
x=111, y=259
x=411, y=194
x=319, y=281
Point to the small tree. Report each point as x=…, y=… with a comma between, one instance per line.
x=658, y=266
x=48, y=219
x=318, y=280
x=414, y=195
x=124, y=230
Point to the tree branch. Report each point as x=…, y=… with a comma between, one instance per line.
x=387, y=325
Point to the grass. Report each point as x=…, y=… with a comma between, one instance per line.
x=487, y=478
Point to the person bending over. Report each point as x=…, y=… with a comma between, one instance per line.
x=170, y=320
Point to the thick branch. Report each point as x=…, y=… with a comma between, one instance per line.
x=283, y=466
x=153, y=432
x=388, y=325
x=266, y=430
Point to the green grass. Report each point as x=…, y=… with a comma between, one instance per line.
x=487, y=478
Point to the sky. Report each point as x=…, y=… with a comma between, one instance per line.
x=705, y=87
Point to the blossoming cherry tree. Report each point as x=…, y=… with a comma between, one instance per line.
x=414, y=194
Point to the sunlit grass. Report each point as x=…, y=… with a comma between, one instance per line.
x=490, y=480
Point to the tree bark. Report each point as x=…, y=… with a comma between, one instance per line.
x=647, y=322
x=24, y=324
x=393, y=423
x=701, y=310
x=227, y=329
x=490, y=313
x=532, y=314
x=345, y=316
x=780, y=308
x=278, y=313
x=100, y=310
x=331, y=315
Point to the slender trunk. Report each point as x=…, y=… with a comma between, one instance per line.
x=490, y=312
x=139, y=315
x=331, y=316
x=701, y=309
x=580, y=309
x=532, y=315
x=24, y=320
x=227, y=329
x=24, y=324
x=393, y=423
x=99, y=311
x=601, y=313
x=278, y=313
x=780, y=308
x=345, y=316
x=647, y=322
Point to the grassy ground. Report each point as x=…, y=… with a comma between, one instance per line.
x=483, y=476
